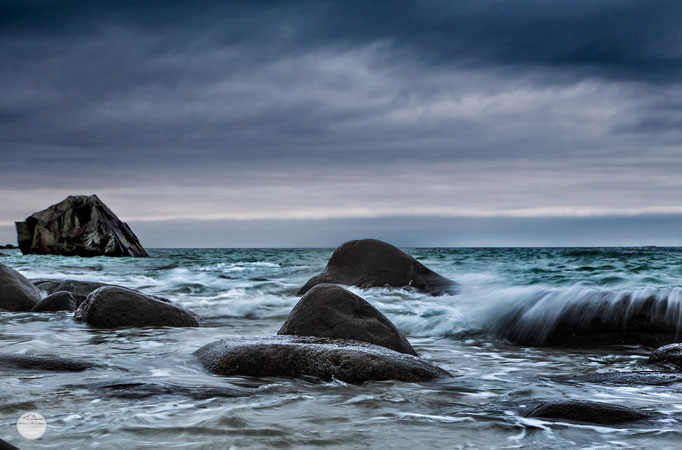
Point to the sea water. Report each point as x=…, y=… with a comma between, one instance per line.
x=242, y=292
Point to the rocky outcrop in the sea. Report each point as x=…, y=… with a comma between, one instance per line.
x=589, y=317
x=79, y=289
x=668, y=354
x=584, y=411
x=8, y=247
x=59, y=301
x=49, y=363
x=330, y=311
x=326, y=359
x=78, y=226
x=114, y=306
x=369, y=263
x=17, y=293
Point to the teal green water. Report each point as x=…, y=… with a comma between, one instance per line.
x=251, y=291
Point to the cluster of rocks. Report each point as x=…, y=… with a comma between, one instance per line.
x=8, y=247
x=330, y=334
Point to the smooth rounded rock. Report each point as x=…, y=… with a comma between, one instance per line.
x=114, y=306
x=322, y=358
x=668, y=354
x=17, y=293
x=584, y=411
x=370, y=263
x=59, y=301
x=79, y=289
x=330, y=311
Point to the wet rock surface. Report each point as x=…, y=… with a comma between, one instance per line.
x=669, y=354
x=47, y=363
x=584, y=411
x=322, y=358
x=330, y=311
x=17, y=293
x=79, y=289
x=371, y=263
x=149, y=390
x=59, y=301
x=77, y=226
x=624, y=378
x=114, y=307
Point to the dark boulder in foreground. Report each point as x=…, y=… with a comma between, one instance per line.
x=668, y=354
x=586, y=412
x=114, y=306
x=49, y=363
x=330, y=311
x=325, y=359
x=17, y=293
x=59, y=301
x=371, y=263
x=80, y=225
x=79, y=289
x=147, y=390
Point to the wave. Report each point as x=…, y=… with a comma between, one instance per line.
x=580, y=315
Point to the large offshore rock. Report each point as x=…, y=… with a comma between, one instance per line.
x=328, y=310
x=371, y=263
x=322, y=358
x=78, y=226
x=17, y=293
x=115, y=306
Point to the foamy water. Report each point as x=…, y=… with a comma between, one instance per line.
x=504, y=293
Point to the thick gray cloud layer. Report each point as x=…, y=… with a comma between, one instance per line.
x=313, y=110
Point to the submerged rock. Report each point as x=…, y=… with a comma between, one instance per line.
x=326, y=359
x=59, y=301
x=330, y=311
x=78, y=226
x=49, y=363
x=114, y=306
x=646, y=378
x=17, y=293
x=583, y=411
x=668, y=354
x=589, y=317
x=371, y=263
x=79, y=289
x=147, y=390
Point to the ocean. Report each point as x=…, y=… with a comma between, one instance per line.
x=242, y=292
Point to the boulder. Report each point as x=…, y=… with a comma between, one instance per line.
x=78, y=226
x=322, y=358
x=79, y=289
x=330, y=311
x=49, y=363
x=59, y=301
x=371, y=263
x=17, y=293
x=668, y=354
x=584, y=411
x=8, y=246
x=115, y=306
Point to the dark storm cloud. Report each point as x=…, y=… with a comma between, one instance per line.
x=311, y=109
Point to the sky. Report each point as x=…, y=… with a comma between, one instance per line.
x=309, y=123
